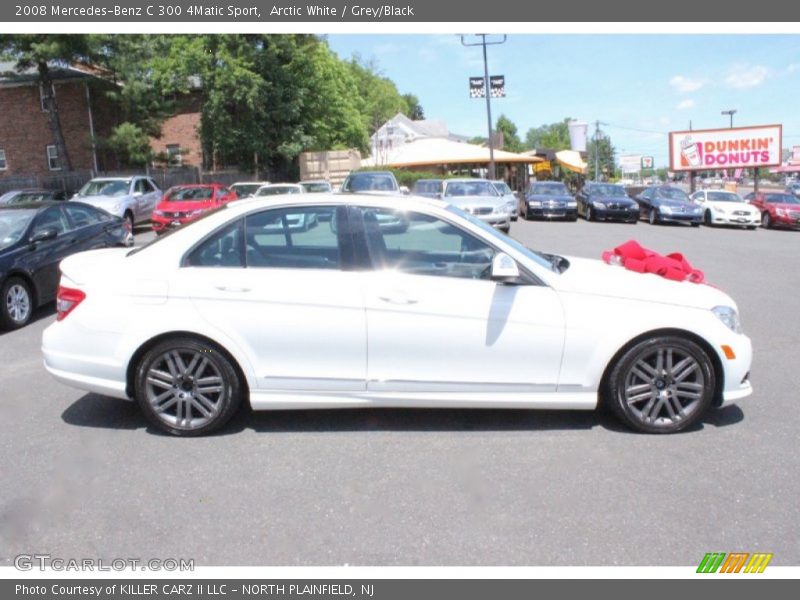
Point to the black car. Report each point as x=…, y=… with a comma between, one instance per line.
x=606, y=202
x=548, y=200
x=32, y=195
x=34, y=237
x=664, y=203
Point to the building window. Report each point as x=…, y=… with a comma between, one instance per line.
x=42, y=98
x=52, y=158
x=3, y=163
x=174, y=158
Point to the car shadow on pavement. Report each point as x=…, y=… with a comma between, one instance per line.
x=48, y=310
x=93, y=410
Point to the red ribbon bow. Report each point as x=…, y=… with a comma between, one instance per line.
x=634, y=257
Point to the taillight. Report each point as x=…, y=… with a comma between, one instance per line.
x=66, y=301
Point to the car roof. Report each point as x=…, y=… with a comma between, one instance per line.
x=377, y=200
x=35, y=205
x=128, y=178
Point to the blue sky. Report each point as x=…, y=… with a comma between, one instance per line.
x=641, y=85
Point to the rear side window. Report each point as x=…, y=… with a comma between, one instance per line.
x=223, y=248
x=81, y=215
x=293, y=238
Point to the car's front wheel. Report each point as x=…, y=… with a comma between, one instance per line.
x=661, y=385
x=187, y=387
x=17, y=304
x=652, y=216
x=766, y=221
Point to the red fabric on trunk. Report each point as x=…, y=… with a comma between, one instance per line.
x=634, y=257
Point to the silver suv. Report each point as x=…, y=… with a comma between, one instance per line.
x=132, y=198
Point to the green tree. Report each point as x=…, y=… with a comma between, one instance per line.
x=39, y=51
x=605, y=157
x=131, y=144
x=554, y=136
x=511, y=141
x=413, y=108
x=380, y=98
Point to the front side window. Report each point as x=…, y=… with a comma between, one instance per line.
x=293, y=238
x=424, y=245
x=52, y=218
x=223, y=248
x=52, y=158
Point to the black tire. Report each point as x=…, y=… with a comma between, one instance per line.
x=181, y=412
x=16, y=303
x=695, y=224
x=589, y=216
x=707, y=219
x=652, y=217
x=661, y=397
x=752, y=227
x=526, y=215
x=766, y=221
x=128, y=216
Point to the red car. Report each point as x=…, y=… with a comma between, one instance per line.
x=182, y=204
x=778, y=209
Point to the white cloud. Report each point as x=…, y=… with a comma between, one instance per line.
x=746, y=76
x=793, y=68
x=685, y=104
x=686, y=84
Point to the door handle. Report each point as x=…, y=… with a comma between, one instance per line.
x=230, y=288
x=398, y=299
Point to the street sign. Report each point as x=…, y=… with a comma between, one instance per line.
x=497, y=85
x=477, y=87
x=738, y=147
x=647, y=162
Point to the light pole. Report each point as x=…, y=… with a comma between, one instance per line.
x=730, y=113
x=487, y=92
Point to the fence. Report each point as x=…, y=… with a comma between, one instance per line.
x=164, y=178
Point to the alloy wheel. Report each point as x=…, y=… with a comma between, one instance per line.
x=664, y=387
x=185, y=389
x=18, y=303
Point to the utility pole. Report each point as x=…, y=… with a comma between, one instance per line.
x=597, y=149
x=730, y=113
x=692, y=185
x=487, y=92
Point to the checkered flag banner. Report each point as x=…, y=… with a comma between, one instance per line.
x=477, y=89
x=497, y=85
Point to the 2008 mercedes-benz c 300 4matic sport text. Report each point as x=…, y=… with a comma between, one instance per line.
x=354, y=312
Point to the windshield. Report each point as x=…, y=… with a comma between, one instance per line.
x=105, y=188
x=245, y=189
x=542, y=189
x=316, y=187
x=13, y=224
x=30, y=197
x=608, y=190
x=671, y=193
x=723, y=197
x=469, y=188
x=502, y=188
x=371, y=182
x=190, y=194
x=496, y=235
x=782, y=199
x=428, y=187
x=277, y=190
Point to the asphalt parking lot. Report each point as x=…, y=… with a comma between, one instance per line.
x=85, y=476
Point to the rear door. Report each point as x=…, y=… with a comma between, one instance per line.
x=286, y=295
x=43, y=257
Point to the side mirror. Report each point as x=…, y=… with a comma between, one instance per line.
x=404, y=189
x=504, y=268
x=136, y=194
x=48, y=233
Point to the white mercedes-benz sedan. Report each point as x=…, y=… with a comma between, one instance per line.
x=240, y=307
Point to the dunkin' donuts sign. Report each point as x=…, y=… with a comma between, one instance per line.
x=740, y=147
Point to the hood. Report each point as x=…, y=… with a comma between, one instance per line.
x=100, y=201
x=674, y=203
x=595, y=277
x=787, y=206
x=731, y=206
x=462, y=201
x=187, y=206
x=84, y=266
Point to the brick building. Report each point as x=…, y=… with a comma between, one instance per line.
x=27, y=148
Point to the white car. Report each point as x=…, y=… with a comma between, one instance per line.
x=479, y=197
x=445, y=313
x=726, y=208
x=132, y=198
x=509, y=196
x=294, y=221
x=245, y=189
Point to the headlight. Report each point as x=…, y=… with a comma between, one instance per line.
x=698, y=211
x=665, y=209
x=598, y=205
x=194, y=213
x=780, y=212
x=534, y=203
x=729, y=316
x=118, y=207
x=510, y=206
x=158, y=213
x=717, y=209
x=572, y=205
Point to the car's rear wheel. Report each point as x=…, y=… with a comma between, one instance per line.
x=661, y=385
x=187, y=387
x=17, y=303
x=766, y=221
x=589, y=215
x=652, y=216
x=707, y=219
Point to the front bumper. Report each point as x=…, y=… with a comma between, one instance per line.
x=546, y=212
x=736, y=372
x=738, y=220
x=161, y=224
x=785, y=221
x=616, y=214
x=680, y=218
